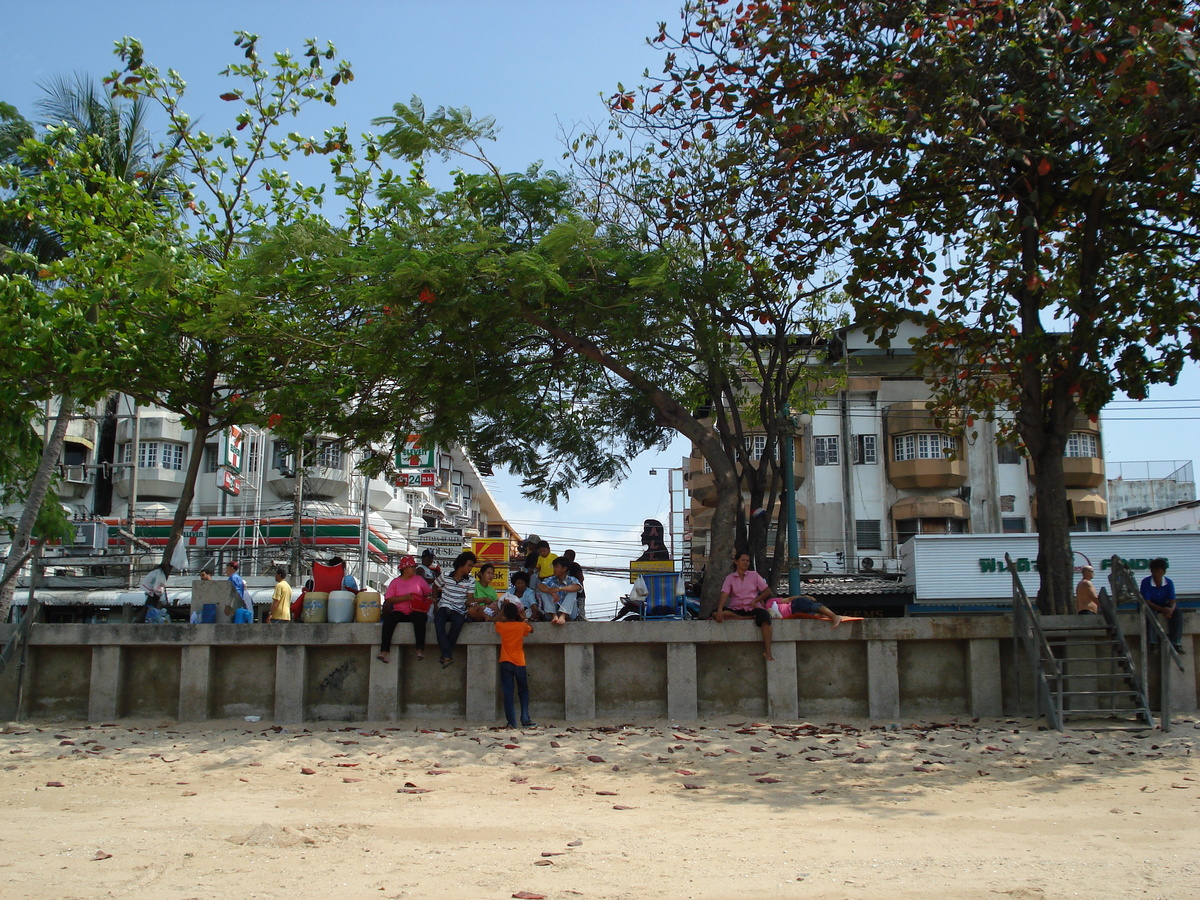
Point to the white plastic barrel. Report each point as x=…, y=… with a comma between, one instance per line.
x=341, y=606
x=315, y=606
x=367, y=607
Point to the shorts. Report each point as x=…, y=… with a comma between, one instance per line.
x=806, y=604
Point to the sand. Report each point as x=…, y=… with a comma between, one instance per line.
x=992, y=808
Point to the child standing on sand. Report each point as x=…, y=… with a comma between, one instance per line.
x=512, y=630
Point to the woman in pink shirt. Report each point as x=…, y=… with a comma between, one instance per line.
x=744, y=594
x=407, y=599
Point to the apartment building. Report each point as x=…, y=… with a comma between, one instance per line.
x=125, y=498
x=873, y=468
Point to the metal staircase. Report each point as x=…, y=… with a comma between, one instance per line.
x=1082, y=666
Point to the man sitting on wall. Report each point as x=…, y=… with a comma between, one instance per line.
x=558, y=594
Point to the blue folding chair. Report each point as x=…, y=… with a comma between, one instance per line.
x=662, y=601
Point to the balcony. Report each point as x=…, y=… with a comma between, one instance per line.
x=320, y=483
x=703, y=488
x=153, y=483
x=918, y=474
x=1083, y=471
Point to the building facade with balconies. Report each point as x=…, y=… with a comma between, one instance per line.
x=128, y=466
x=873, y=468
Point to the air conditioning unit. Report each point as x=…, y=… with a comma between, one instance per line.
x=822, y=564
x=867, y=564
x=90, y=537
x=78, y=475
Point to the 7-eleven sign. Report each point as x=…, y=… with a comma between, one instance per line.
x=413, y=455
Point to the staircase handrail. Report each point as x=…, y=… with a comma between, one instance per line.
x=1126, y=589
x=1027, y=611
x=1027, y=633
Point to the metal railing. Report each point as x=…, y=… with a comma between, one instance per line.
x=1125, y=590
x=1028, y=634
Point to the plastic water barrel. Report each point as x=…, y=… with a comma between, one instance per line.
x=208, y=613
x=315, y=606
x=367, y=607
x=341, y=606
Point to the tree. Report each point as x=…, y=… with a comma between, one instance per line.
x=694, y=196
x=1020, y=179
x=214, y=348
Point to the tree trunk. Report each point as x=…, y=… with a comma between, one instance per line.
x=38, y=490
x=1055, y=560
x=674, y=415
x=200, y=434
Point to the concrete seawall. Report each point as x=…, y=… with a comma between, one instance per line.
x=885, y=669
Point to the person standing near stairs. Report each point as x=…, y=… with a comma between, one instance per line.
x=1159, y=593
x=1085, y=593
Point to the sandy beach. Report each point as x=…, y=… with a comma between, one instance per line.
x=960, y=808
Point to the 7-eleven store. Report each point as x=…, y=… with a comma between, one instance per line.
x=259, y=543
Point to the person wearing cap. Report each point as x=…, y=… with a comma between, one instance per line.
x=244, y=615
x=407, y=599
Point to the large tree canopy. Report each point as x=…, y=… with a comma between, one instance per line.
x=1019, y=178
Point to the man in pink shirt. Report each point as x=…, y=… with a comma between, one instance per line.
x=744, y=594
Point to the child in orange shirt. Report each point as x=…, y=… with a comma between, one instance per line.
x=512, y=630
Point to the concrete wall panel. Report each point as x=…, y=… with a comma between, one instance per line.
x=429, y=691
x=57, y=681
x=933, y=678
x=242, y=682
x=547, y=692
x=150, y=680
x=631, y=680
x=731, y=679
x=832, y=678
x=336, y=683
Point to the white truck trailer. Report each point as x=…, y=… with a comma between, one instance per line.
x=969, y=569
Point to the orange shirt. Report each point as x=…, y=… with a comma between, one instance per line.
x=512, y=641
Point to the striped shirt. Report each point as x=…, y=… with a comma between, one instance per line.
x=454, y=593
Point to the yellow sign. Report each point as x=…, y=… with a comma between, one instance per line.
x=650, y=567
x=499, y=577
x=493, y=550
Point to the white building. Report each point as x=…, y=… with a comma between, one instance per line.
x=872, y=469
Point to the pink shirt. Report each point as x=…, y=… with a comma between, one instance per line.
x=742, y=590
x=416, y=584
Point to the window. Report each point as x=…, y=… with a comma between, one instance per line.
x=282, y=458
x=1090, y=523
x=252, y=456
x=210, y=458
x=153, y=454
x=865, y=450
x=825, y=451
x=1008, y=453
x=868, y=534
x=756, y=445
x=933, y=445
x=329, y=456
x=1081, y=444
x=1012, y=524
x=906, y=528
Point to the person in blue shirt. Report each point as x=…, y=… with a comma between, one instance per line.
x=1159, y=593
x=244, y=614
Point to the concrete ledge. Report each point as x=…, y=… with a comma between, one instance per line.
x=883, y=668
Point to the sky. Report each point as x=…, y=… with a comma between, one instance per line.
x=541, y=69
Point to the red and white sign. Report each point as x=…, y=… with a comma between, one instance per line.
x=228, y=482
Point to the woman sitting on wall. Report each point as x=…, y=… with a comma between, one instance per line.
x=407, y=599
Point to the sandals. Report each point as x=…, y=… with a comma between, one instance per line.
x=446, y=662
x=382, y=658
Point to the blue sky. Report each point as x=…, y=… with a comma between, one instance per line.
x=538, y=67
